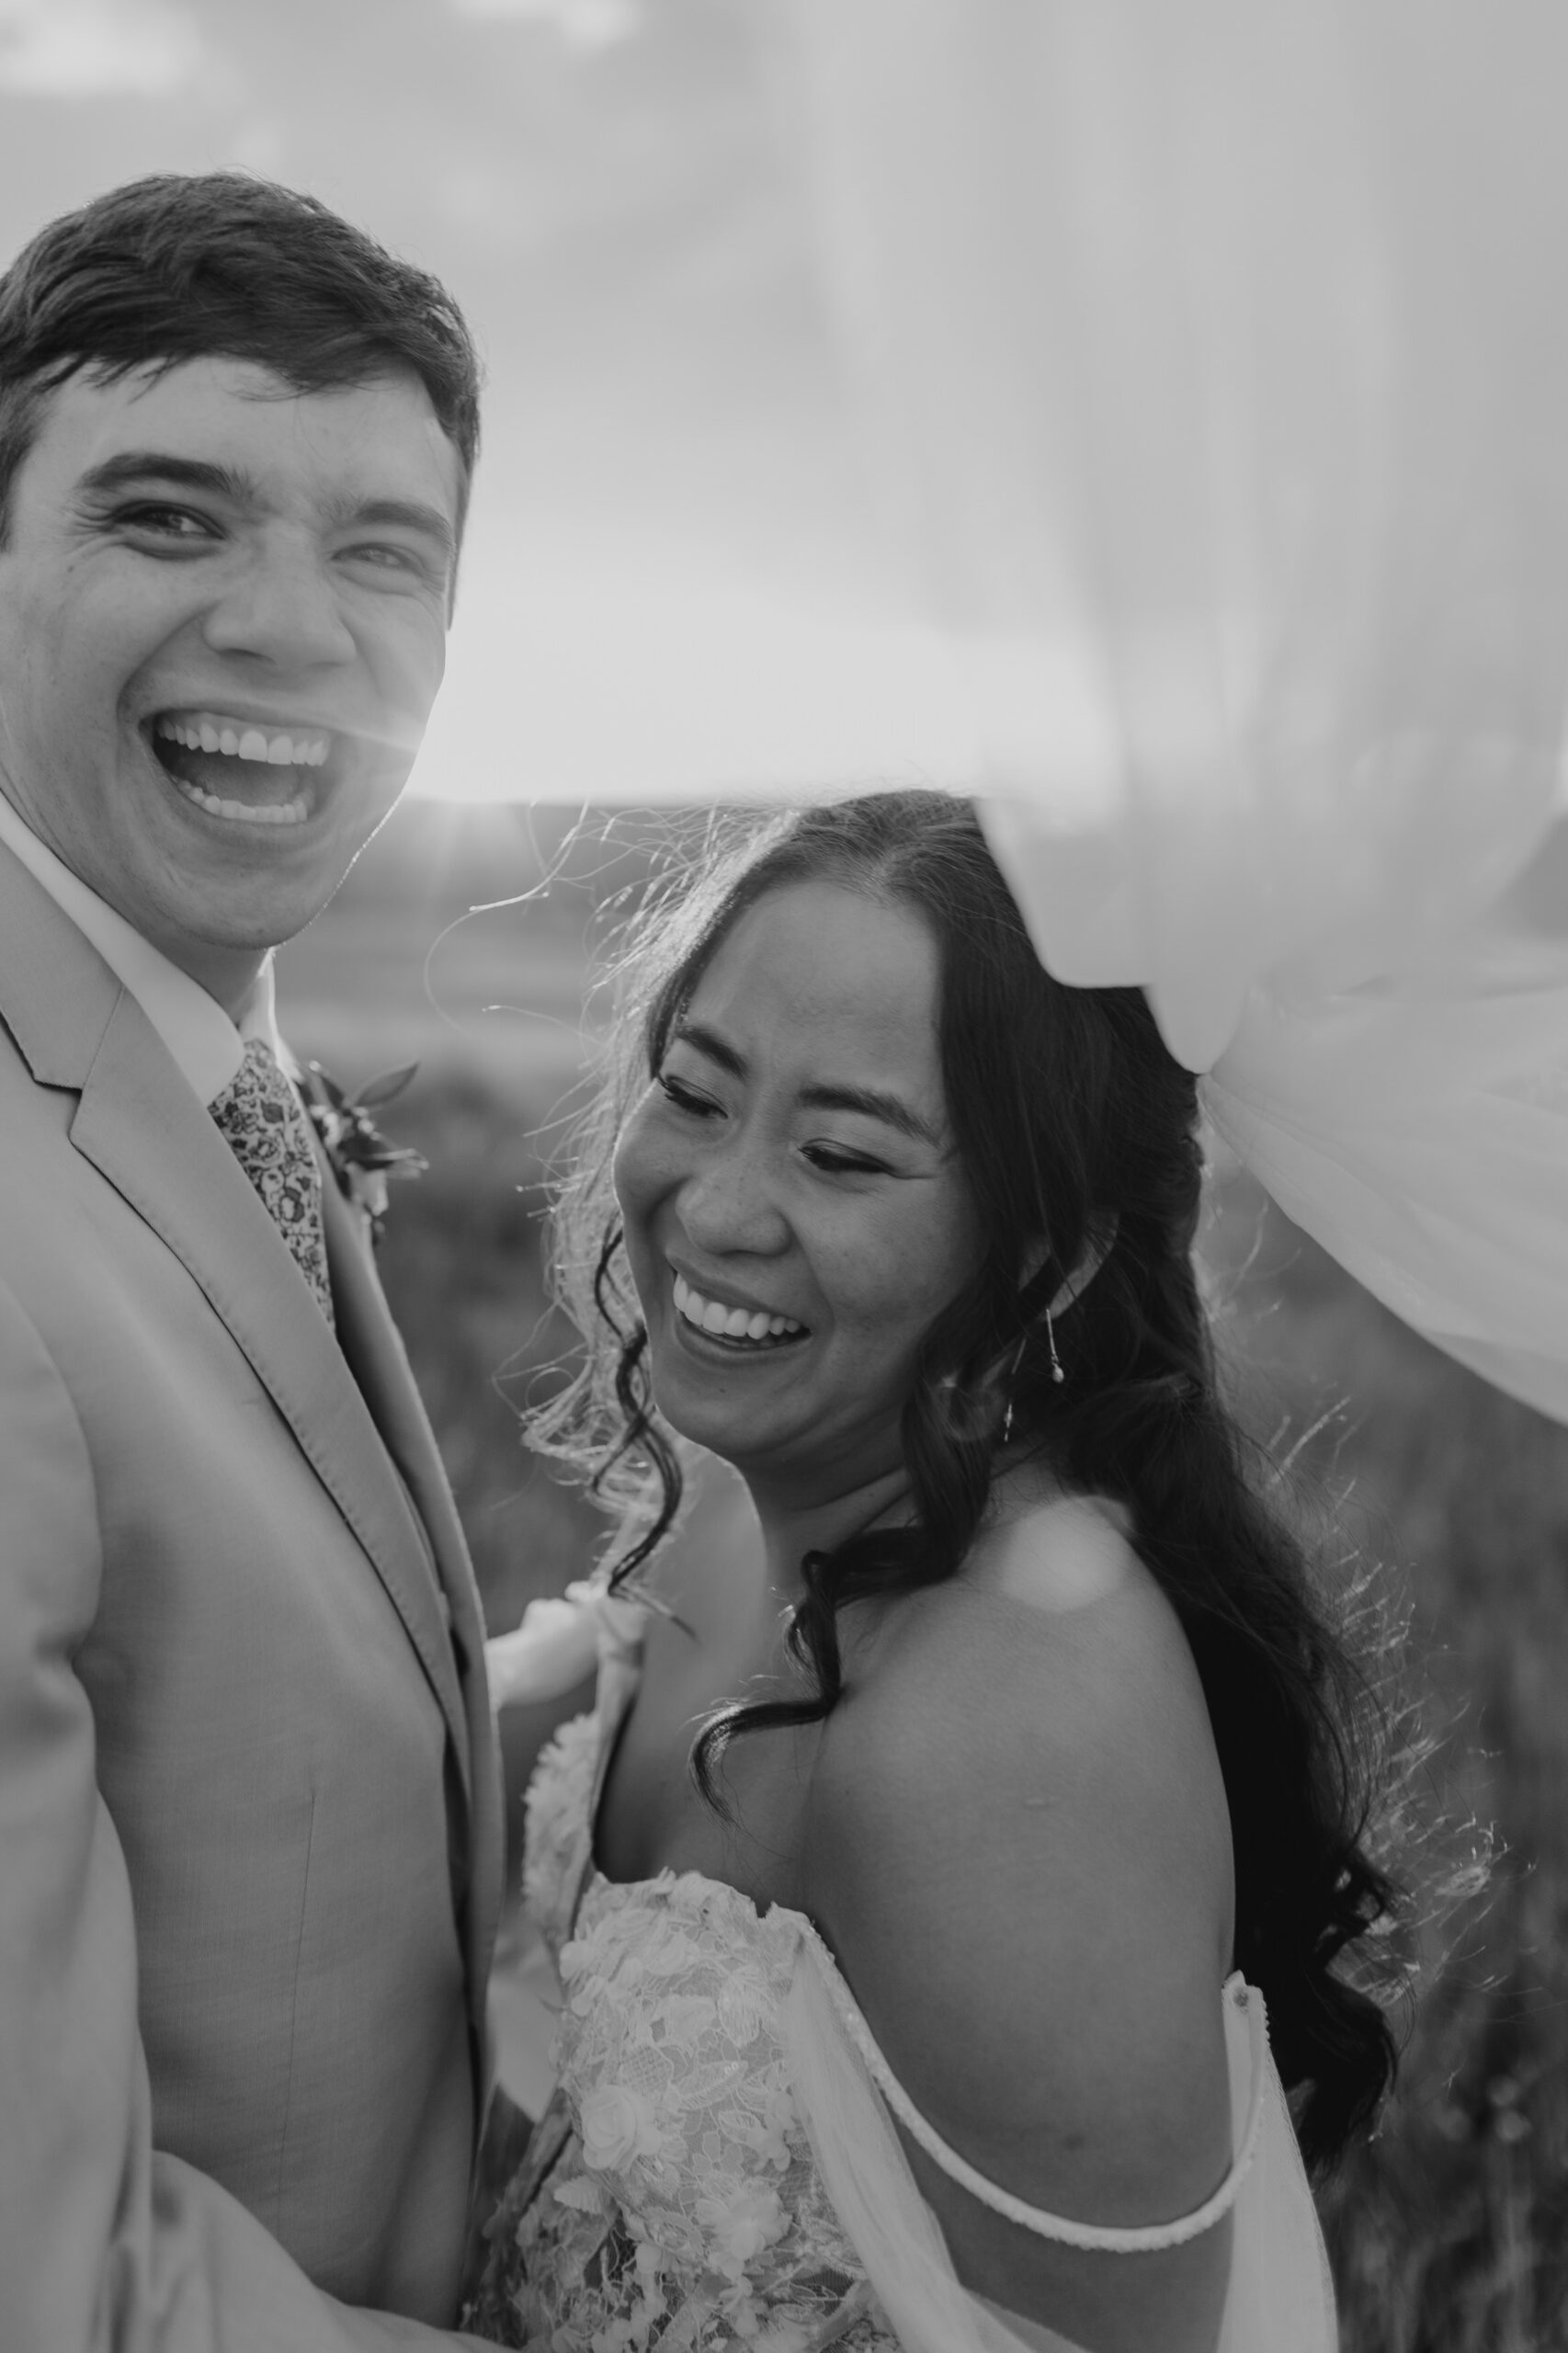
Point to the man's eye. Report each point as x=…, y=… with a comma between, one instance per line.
x=687, y=1099
x=166, y=522
x=383, y=555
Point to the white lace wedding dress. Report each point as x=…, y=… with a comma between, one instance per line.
x=718, y=2165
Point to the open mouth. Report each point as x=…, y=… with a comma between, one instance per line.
x=247, y=774
x=751, y=1331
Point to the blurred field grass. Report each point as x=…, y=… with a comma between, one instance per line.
x=1449, y=2232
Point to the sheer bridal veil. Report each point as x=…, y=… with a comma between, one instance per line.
x=1211, y=362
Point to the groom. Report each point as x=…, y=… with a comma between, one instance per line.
x=250, y=1844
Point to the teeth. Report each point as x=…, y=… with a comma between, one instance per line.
x=206, y=732
x=287, y=813
x=754, y=1324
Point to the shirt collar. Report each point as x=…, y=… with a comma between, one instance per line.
x=207, y=1046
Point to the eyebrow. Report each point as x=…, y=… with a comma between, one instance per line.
x=227, y=482
x=161, y=465
x=870, y=1102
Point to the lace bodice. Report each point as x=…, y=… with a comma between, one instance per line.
x=716, y=2165
x=670, y=2198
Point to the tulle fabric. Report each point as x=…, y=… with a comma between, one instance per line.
x=1210, y=357
x=1418, y=1129
x=1279, y=2299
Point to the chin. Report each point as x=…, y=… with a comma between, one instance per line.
x=259, y=911
x=712, y=1429
x=744, y=1446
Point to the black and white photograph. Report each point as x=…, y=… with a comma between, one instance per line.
x=783, y=1175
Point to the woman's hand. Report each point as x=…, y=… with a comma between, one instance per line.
x=555, y=1646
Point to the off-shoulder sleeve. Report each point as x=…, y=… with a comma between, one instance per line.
x=1280, y=2301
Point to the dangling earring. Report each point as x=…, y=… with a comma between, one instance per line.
x=1056, y=1372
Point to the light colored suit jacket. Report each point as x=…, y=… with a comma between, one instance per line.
x=250, y=1829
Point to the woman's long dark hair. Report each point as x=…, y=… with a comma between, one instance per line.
x=1075, y=1125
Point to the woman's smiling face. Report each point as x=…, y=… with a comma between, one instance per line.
x=796, y=1212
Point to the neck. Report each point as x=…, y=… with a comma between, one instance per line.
x=791, y=1528
x=229, y=974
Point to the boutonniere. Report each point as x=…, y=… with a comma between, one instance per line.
x=362, y=1158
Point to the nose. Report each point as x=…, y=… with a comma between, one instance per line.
x=282, y=608
x=729, y=1204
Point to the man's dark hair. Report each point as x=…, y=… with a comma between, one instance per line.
x=223, y=264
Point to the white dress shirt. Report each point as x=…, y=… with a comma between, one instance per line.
x=204, y=1042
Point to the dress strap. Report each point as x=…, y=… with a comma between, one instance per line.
x=1241, y=1999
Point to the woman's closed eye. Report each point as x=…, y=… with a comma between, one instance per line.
x=687, y=1097
x=842, y=1160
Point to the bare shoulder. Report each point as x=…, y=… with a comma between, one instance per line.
x=1020, y=1852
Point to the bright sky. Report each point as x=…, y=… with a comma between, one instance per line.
x=673, y=582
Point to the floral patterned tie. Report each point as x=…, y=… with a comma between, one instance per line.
x=261, y=1118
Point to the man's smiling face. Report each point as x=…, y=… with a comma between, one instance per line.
x=223, y=623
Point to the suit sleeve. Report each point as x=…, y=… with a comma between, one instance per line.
x=107, y=2245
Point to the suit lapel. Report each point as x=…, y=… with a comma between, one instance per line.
x=351, y=1406
x=142, y=1126
x=138, y=1122
x=374, y=1348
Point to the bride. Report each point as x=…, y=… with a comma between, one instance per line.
x=939, y=1868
